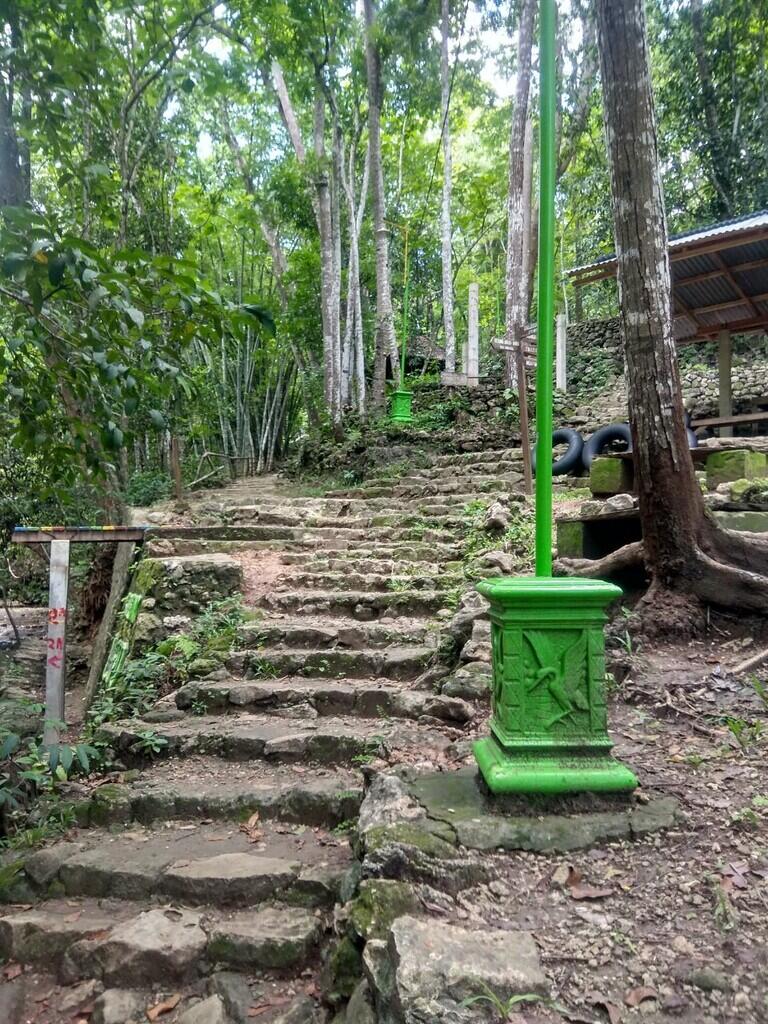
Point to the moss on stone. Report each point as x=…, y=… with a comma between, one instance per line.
x=725, y=467
x=110, y=805
x=610, y=476
x=378, y=903
x=570, y=540
x=345, y=968
x=420, y=835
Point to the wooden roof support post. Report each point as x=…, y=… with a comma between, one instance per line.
x=724, y=358
x=561, y=352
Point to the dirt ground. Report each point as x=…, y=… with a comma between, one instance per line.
x=673, y=927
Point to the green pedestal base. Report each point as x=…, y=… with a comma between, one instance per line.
x=549, y=730
x=550, y=774
x=401, y=407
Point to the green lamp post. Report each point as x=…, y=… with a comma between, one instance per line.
x=402, y=399
x=548, y=724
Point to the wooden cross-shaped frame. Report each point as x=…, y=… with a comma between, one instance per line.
x=59, y=538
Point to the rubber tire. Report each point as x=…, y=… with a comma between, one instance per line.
x=571, y=459
x=602, y=437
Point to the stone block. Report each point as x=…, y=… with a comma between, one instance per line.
x=611, y=476
x=725, y=467
x=428, y=969
x=746, y=522
x=570, y=539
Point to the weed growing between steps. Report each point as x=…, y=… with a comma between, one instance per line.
x=516, y=540
x=31, y=773
x=165, y=666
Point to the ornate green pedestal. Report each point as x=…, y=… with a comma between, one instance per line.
x=549, y=726
x=401, y=407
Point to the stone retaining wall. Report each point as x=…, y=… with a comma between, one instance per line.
x=596, y=361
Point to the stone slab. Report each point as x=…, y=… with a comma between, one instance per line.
x=157, y=946
x=724, y=467
x=460, y=802
x=227, y=878
x=427, y=970
x=274, y=937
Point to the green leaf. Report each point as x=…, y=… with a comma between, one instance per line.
x=89, y=275
x=136, y=315
x=36, y=295
x=56, y=269
x=156, y=418
x=10, y=744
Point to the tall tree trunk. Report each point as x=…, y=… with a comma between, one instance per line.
x=325, y=229
x=445, y=215
x=518, y=210
x=386, y=343
x=685, y=553
x=13, y=186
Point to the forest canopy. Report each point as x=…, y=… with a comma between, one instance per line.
x=206, y=206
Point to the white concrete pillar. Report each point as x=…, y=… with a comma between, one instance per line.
x=561, y=353
x=724, y=359
x=56, y=653
x=472, y=360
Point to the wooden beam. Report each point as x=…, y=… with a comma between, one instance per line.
x=748, y=326
x=77, y=534
x=725, y=396
x=718, y=306
x=734, y=283
x=721, y=421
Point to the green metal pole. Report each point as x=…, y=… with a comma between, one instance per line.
x=405, y=313
x=546, y=293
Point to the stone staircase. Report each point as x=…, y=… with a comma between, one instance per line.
x=215, y=870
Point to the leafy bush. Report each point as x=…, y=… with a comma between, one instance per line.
x=147, y=487
x=166, y=665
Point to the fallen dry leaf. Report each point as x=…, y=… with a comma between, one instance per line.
x=12, y=971
x=638, y=995
x=256, y=1011
x=164, y=1007
x=589, y=892
x=612, y=1009
x=251, y=827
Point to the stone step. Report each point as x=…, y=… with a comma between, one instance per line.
x=197, y=864
x=362, y=519
x=251, y=532
x=314, y=579
x=323, y=633
x=424, y=487
x=388, y=567
x=361, y=605
x=388, y=663
x=121, y=945
x=296, y=553
x=204, y=787
x=278, y=740
x=365, y=698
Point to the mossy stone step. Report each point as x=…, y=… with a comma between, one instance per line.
x=388, y=663
x=122, y=947
x=321, y=580
x=327, y=633
x=362, y=606
x=208, y=788
x=366, y=699
x=274, y=739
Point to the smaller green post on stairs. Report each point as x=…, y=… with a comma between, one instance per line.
x=549, y=729
x=402, y=399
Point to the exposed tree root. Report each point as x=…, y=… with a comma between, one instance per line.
x=628, y=557
x=726, y=569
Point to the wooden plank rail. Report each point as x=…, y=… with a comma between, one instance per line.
x=728, y=421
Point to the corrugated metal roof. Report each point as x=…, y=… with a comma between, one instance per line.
x=720, y=287
x=748, y=222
